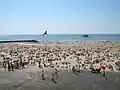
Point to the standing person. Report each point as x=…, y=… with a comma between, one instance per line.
x=73, y=69
x=9, y=67
x=56, y=73
x=44, y=64
x=12, y=66
x=79, y=68
x=17, y=65
x=91, y=67
x=5, y=65
x=39, y=64
x=21, y=63
x=69, y=66
x=34, y=62
x=104, y=73
x=43, y=75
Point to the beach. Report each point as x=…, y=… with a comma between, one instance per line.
x=66, y=81
x=22, y=65
x=60, y=45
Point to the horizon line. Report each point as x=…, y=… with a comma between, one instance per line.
x=65, y=34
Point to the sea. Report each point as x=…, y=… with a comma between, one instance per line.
x=56, y=37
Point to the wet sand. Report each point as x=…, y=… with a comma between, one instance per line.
x=66, y=81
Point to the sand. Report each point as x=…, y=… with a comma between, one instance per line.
x=63, y=56
x=66, y=81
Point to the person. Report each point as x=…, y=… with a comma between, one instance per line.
x=17, y=65
x=33, y=62
x=21, y=63
x=103, y=68
x=39, y=64
x=104, y=74
x=12, y=67
x=73, y=69
x=44, y=65
x=79, y=66
x=53, y=78
x=4, y=65
x=9, y=67
x=43, y=76
x=56, y=73
x=91, y=66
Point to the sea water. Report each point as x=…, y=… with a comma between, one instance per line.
x=53, y=37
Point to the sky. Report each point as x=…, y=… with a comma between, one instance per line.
x=59, y=16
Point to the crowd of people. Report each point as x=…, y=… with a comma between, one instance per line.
x=75, y=57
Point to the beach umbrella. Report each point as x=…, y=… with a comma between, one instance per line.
x=102, y=67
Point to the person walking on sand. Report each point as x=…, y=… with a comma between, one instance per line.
x=43, y=75
x=56, y=73
x=53, y=78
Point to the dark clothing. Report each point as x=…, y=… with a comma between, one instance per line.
x=104, y=73
x=5, y=66
x=17, y=65
x=39, y=65
x=73, y=69
x=43, y=76
x=9, y=67
x=12, y=67
x=53, y=78
x=56, y=73
x=21, y=63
